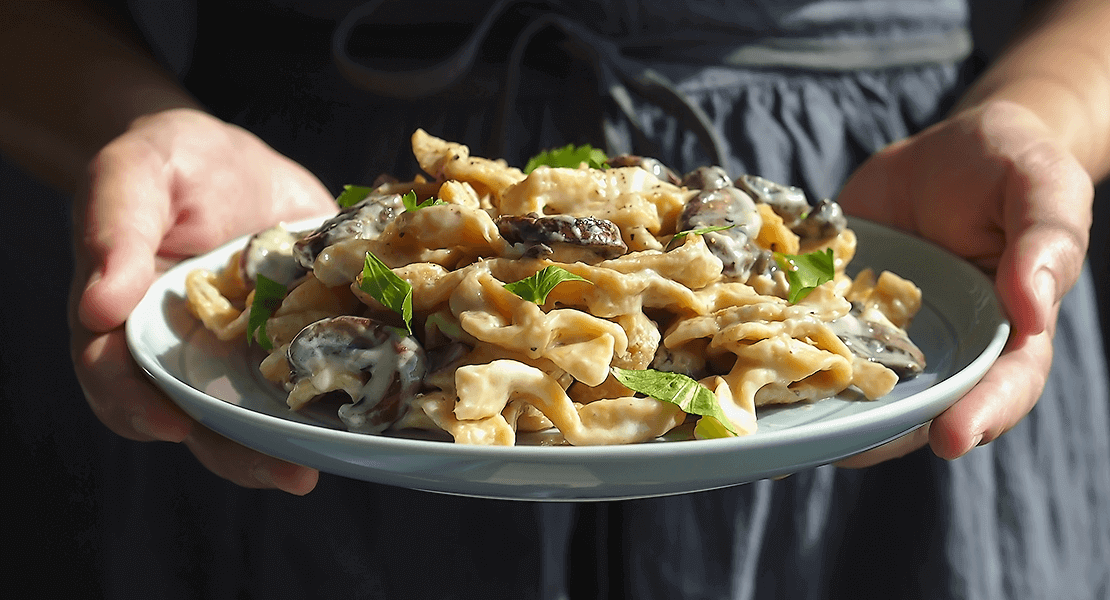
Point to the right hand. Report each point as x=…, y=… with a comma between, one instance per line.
x=175, y=184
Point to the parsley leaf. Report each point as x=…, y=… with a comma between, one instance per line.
x=409, y=200
x=268, y=295
x=676, y=388
x=678, y=237
x=536, y=288
x=569, y=156
x=804, y=272
x=352, y=195
x=380, y=282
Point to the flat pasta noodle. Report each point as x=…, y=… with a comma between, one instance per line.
x=216, y=312
x=305, y=304
x=579, y=343
x=644, y=207
x=484, y=390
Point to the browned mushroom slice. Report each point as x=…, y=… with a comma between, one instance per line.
x=726, y=207
x=651, y=165
x=823, y=222
x=869, y=335
x=379, y=367
x=563, y=237
x=767, y=277
x=270, y=253
x=707, y=178
x=363, y=221
x=787, y=201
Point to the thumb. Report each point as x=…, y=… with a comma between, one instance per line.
x=125, y=215
x=1047, y=220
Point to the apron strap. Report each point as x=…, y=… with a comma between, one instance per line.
x=618, y=79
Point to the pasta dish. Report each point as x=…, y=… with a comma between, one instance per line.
x=609, y=300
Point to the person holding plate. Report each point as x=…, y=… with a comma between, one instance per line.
x=179, y=128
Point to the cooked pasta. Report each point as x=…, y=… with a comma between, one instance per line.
x=641, y=272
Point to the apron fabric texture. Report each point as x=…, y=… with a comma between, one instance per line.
x=1027, y=516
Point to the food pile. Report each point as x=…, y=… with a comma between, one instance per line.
x=608, y=299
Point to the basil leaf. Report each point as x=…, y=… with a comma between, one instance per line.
x=380, y=282
x=804, y=272
x=268, y=295
x=447, y=327
x=678, y=237
x=708, y=428
x=409, y=200
x=352, y=195
x=569, y=156
x=536, y=288
x=676, y=388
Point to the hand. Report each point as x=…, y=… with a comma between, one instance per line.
x=991, y=185
x=176, y=184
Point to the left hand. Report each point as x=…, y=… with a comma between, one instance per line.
x=991, y=185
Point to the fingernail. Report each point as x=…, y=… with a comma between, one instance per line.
x=292, y=479
x=94, y=278
x=1045, y=287
x=162, y=431
x=141, y=425
x=263, y=476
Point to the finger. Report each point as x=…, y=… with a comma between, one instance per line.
x=898, y=448
x=128, y=213
x=248, y=468
x=298, y=194
x=1047, y=220
x=1007, y=393
x=120, y=394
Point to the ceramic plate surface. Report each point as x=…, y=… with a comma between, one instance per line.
x=960, y=328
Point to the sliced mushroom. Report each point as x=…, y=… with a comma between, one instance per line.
x=726, y=207
x=379, y=367
x=270, y=253
x=824, y=222
x=766, y=276
x=707, y=178
x=651, y=165
x=691, y=364
x=787, y=201
x=563, y=237
x=363, y=221
x=870, y=335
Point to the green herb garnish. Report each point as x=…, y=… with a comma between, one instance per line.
x=678, y=237
x=709, y=428
x=352, y=195
x=268, y=295
x=804, y=272
x=536, y=288
x=380, y=282
x=409, y=200
x=676, y=388
x=569, y=156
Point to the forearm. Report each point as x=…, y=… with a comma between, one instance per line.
x=73, y=81
x=1059, y=67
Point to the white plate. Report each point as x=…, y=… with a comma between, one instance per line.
x=960, y=329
